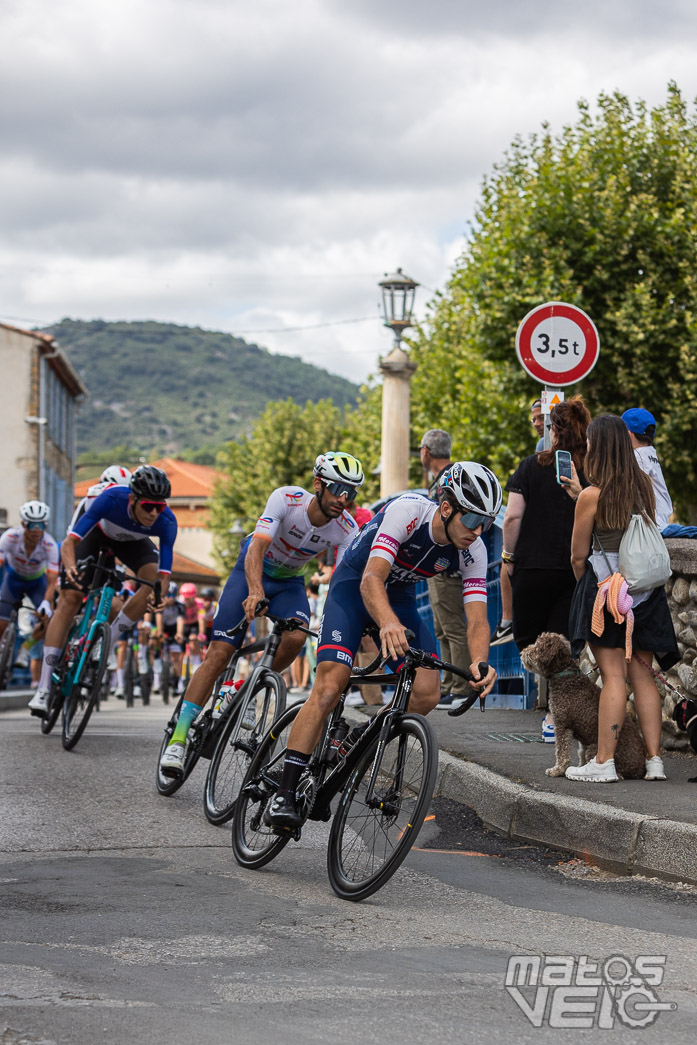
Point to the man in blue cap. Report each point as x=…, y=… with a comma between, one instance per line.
x=642, y=429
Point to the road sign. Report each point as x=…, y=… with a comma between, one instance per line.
x=551, y=397
x=557, y=344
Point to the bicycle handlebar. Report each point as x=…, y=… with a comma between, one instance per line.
x=114, y=572
x=284, y=623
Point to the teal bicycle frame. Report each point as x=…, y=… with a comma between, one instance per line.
x=83, y=632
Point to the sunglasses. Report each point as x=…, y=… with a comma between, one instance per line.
x=342, y=490
x=36, y=526
x=153, y=506
x=471, y=520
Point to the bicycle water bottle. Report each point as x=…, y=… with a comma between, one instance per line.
x=349, y=741
x=340, y=732
x=226, y=695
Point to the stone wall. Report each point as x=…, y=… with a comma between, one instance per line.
x=682, y=599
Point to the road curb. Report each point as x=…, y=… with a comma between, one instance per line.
x=623, y=841
x=11, y=701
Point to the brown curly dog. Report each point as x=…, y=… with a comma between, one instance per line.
x=573, y=700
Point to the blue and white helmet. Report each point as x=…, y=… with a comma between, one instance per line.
x=473, y=487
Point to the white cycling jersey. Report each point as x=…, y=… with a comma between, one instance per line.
x=92, y=493
x=14, y=555
x=293, y=540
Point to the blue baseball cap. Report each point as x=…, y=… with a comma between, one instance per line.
x=639, y=421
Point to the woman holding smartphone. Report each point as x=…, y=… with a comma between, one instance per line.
x=537, y=531
x=619, y=488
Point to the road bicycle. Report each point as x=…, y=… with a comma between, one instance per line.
x=243, y=715
x=77, y=678
x=383, y=774
x=7, y=646
x=137, y=671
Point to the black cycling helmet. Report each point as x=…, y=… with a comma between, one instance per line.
x=149, y=481
x=208, y=593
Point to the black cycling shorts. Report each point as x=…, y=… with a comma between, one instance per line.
x=133, y=554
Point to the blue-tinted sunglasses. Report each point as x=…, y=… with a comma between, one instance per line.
x=342, y=490
x=36, y=526
x=472, y=520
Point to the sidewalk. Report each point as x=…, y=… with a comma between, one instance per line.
x=11, y=699
x=495, y=762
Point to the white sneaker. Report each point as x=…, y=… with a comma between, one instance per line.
x=137, y=691
x=172, y=762
x=595, y=772
x=250, y=717
x=354, y=700
x=22, y=658
x=38, y=705
x=118, y=692
x=655, y=770
x=111, y=663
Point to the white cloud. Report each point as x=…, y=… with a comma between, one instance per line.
x=242, y=166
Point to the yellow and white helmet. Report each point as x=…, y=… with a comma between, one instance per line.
x=338, y=467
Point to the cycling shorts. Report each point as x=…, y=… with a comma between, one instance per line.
x=15, y=587
x=133, y=554
x=345, y=618
x=286, y=597
x=190, y=632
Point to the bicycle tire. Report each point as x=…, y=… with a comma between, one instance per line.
x=145, y=686
x=7, y=646
x=237, y=745
x=129, y=676
x=80, y=702
x=366, y=844
x=253, y=843
x=55, y=699
x=167, y=785
x=165, y=679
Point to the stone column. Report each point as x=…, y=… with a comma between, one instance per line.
x=397, y=369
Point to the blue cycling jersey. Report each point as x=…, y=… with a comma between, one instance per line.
x=110, y=512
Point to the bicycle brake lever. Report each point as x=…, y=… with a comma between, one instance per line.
x=467, y=704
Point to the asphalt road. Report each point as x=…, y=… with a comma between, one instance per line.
x=125, y=918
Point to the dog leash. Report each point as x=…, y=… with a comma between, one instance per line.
x=662, y=678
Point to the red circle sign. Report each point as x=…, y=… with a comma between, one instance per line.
x=557, y=344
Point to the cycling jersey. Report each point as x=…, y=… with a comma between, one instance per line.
x=18, y=560
x=293, y=540
x=171, y=614
x=191, y=611
x=111, y=514
x=402, y=533
x=92, y=493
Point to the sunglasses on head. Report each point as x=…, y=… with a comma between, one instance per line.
x=36, y=526
x=471, y=520
x=342, y=490
x=153, y=506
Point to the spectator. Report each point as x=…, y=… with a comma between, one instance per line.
x=537, y=532
x=504, y=628
x=619, y=488
x=642, y=431
x=445, y=590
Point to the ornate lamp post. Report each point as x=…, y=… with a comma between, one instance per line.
x=398, y=292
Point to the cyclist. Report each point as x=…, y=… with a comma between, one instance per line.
x=294, y=528
x=207, y=614
x=121, y=519
x=410, y=539
x=192, y=633
x=114, y=475
x=30, y=557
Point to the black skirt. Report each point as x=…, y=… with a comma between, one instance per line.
x=653, y=627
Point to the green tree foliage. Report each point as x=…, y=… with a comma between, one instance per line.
x=603, y=216
x=280, y=451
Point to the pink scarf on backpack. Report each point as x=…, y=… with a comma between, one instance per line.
x=613, y=593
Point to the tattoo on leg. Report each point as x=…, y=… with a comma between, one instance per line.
x=615, y=729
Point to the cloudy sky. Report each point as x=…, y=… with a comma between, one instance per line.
x=256, y=167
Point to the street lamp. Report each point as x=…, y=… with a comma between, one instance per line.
x=398, y=292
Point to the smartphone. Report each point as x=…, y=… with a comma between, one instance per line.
x=563, y=465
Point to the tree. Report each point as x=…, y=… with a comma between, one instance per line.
x=603, y=216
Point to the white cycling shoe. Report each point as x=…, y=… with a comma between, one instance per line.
x=38, y=705
x=172, y=762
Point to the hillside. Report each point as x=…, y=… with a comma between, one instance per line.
x=166, y=387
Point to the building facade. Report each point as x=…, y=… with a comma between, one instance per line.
x=39, y=395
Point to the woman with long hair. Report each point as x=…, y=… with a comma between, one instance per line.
x=537, y=532
x=618, y=489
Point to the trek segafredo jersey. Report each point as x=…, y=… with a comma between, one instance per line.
x=293, y=540
x=16, y=558
x=402, y=533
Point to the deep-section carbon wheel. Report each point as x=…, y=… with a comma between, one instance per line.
x=7, y=648
x=372, y=833
x=253, y=843
x=238, y=742
x=79, y=703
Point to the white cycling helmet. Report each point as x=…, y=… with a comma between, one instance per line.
x=472, y=487
x=35, y=511
x=117, y=474
x=338, y=467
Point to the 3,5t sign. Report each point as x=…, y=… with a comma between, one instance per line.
x=557, y=344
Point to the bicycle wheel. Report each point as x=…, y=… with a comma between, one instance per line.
x=167, y=785
x=253, y=843
x=55, y=698
x=165, y=679
x=129, y=676
x=368, y=842
x=79, y=703
x=237, y=745
x=7, y=647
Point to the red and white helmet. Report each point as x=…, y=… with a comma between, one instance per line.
x=116, y=474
